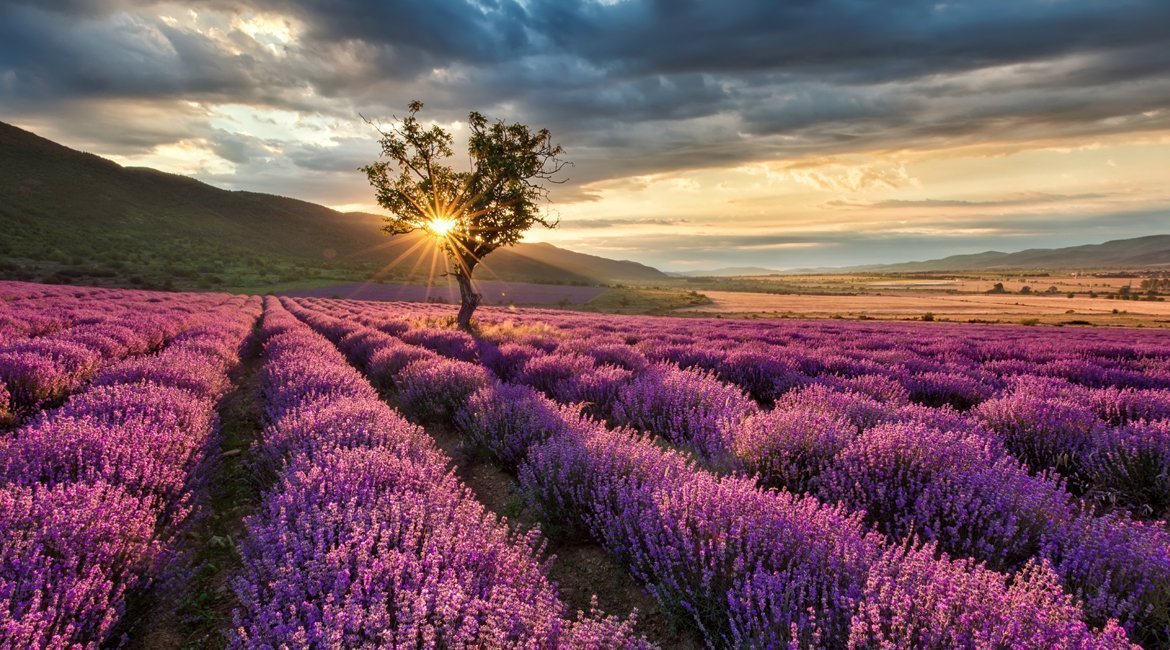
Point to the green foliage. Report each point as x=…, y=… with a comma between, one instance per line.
x=487, y=206
x=70, y=216
x=110, y=224
x=630, y=300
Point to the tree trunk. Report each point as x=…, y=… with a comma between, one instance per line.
x=468, y=301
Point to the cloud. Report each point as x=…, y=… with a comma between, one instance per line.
x=591, y=224
x=878, y=242
x=828, y=175
x=1020, y=199
x=833, y=96
x=341, y=156
x=634, y=87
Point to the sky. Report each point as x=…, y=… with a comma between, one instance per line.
x=703, y=134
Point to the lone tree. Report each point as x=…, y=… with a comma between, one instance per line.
x=469, y=212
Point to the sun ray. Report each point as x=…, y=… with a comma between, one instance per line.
x=441, y=226
x=399, y=259
x=431, y=274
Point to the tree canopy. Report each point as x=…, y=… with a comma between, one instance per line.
x=470, y=212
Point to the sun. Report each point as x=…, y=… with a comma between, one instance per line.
x=441, y=226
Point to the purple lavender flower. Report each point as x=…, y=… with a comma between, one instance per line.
x=1044, y=430
x=6, y=414
x=686, y=407
x=913, y=600
x=507, y=419
x=765, y=376
x=952, y=487
x=449, y=343
x=389, y=358
x=790, y=447
x=68, y=556
x=432, y=390
x=1130, y=466
x=1119, y=568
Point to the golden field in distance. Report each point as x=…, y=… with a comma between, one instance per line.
x=1036, y=298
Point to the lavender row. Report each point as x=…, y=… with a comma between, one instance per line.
x=745, y=566
x=93, y=494
x=44, y=369
x=1108, y=437
x=928, y=472
x=692, y=408
x=29, y=310
x=916, y=471
x=1112, y=442
x=369, y=539
x=1114, y=433
x=770, y=357
x=13, y=290
x=939, y=476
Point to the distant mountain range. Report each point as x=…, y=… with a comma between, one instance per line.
x=725, y=272
x=1152, y=251
x=68, y=216
x=72, y=216
x=1140, y=252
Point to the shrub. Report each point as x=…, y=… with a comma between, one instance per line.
x=686, y=407
x=507, y=419
x=764, y=376
x=790, y=447
x=952, y=487
x=389, y=358
x=1119, y=569
x=363, y=548
x=432, y=390
x=947, y=388
x=913, y=600
x=1044, y=430
x=1128, y=465
x=548, y=371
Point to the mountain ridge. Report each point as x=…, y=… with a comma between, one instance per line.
x=725, y=272
x=1135, y=252
x=69, y=215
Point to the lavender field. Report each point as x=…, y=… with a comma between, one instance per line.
x=811, y=484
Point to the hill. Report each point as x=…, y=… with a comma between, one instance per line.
x=726, y=272
x=1140, y=252
x=74, y=216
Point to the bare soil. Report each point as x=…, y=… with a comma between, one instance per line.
x=198, y=615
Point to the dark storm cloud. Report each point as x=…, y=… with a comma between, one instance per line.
x=630, y=87
x=57, y=56
x=344, y=157
x=857, y=41
x=439, y=30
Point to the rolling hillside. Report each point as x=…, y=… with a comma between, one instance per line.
x=73, y=216
x=1140, y=252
